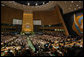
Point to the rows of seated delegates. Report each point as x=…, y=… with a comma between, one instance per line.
x=44, y=44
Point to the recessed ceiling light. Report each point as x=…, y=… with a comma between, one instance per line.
x=43, y=2
x=28, y=3
x=36, y=4
x=71, y=1
x=55, y=29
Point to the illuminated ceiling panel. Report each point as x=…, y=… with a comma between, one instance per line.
x=32, y=3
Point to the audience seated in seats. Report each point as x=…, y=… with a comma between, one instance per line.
x=45, y=45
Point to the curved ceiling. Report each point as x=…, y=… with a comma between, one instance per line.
x=32, y=3
x=67, y=6
x=29, y=8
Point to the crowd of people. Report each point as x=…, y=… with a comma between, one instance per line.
x=57, y=44
x=45, y=45
x=13, y=42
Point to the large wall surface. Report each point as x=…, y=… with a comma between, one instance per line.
x=27, y=25
x=8, y=14
x=50, y=17
x=47, y=17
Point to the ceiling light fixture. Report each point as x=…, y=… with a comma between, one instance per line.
x=71, y=1
x=36, y=4
x=28, y=4
x=43, y=2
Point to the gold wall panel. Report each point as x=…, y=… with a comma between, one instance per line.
x=27, y=25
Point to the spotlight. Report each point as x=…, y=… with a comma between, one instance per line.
x=43, y=2
x=71, y=1
x=36, y=4
x=28, y=4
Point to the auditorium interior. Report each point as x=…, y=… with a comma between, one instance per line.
x=41, y=28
